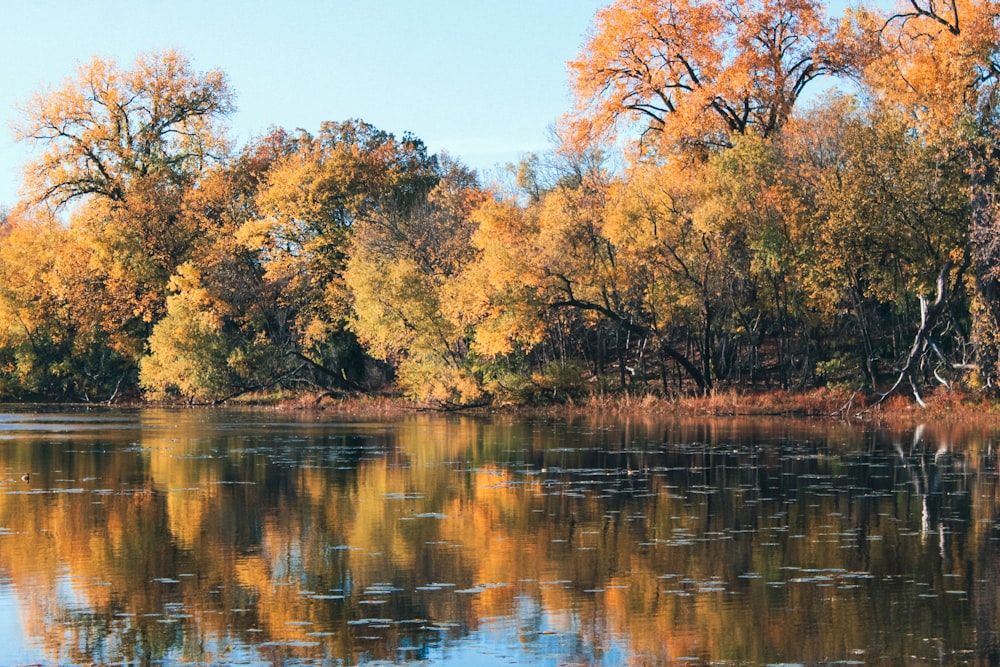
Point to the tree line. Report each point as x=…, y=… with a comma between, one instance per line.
x=699, y=224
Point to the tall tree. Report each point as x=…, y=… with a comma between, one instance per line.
x=696, y=71
x=940, y=62
x=108, y=129
x=217, y=336
x=308, y=208
x=127, y=145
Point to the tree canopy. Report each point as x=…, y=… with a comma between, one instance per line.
x=106, y=130
x=699, y=71
x=706, y=219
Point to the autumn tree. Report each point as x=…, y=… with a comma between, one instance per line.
x=696, y=72
x=940, y=63
x=188, y=348
x=51, y=339
x=708, y=244
x=884, y=229
x=308, y=209
x=125, y=145
x=501, y=303
x=403, y=272
x=108, y=129
x=697, y=79
x=216, y=337
x=549, y=285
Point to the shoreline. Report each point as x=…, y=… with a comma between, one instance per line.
x=842, y=405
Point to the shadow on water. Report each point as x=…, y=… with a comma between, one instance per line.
x=248, y=537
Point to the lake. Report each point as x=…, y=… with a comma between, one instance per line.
x=228, y=537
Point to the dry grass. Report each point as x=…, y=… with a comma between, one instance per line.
x=356, y=405
x=898, y=409
x=815, y=403
x=940, y=406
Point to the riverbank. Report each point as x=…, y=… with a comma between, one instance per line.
x=817, y=403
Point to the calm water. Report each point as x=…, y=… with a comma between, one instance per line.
x=251, y=538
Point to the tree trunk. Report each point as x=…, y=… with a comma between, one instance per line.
x=929, y=314
x=707, y=345
x=621, y=357
x=984, y=239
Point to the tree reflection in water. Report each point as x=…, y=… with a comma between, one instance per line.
x=255, y=538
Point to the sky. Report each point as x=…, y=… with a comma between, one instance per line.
x=483, y=80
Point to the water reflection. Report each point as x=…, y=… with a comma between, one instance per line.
x=254, y=538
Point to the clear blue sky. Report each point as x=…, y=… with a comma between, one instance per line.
x=481, y=79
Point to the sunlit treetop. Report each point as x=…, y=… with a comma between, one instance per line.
x=108, y=127
x=940, y=61
x=689, y=72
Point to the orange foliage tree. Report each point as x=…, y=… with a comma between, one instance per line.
x=126, y=146
x=696, y=71
x=108, y=127
x=940, y=62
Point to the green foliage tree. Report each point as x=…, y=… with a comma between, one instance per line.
x=188, y=349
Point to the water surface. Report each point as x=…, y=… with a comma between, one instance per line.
x=258, y=538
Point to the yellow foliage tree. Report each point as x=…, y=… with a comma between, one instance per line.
x=52, y=338
x=108, y=128
x=402, y=272
x=188, y=348
x=309, y=205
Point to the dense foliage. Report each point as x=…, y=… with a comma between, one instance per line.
x=744, y=235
